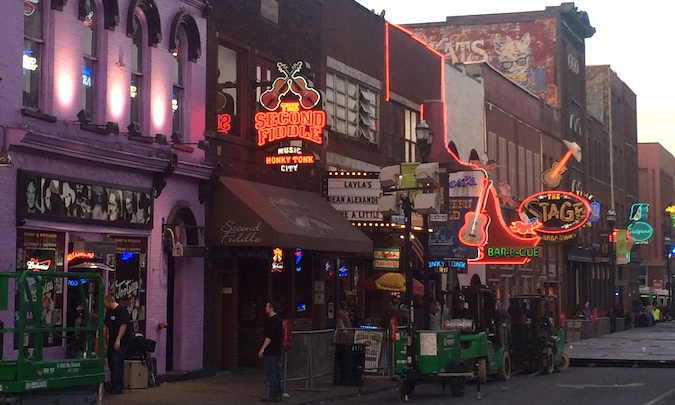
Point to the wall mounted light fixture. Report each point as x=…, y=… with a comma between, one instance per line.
x=5, y=159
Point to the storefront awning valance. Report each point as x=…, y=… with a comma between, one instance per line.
x=260, y=215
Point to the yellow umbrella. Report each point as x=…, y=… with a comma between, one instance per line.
x=396, y=282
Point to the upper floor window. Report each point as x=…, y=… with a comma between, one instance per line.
x=352, y=108
x=178, y=83
x=136, y=87
x=228, y=91
x=89, y=68
x=264, y=71
x=33, y=43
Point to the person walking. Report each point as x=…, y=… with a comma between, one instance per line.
x=117, y=321
x=271, y=351
x=343, y=324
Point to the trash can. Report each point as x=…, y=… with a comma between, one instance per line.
x=350, y=360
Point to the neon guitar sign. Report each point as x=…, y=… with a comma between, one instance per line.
x=474, y=231
x=553, y=176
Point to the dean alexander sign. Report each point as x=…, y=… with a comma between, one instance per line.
x=555, y=212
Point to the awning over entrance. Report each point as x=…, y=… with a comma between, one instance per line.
x=260, y=215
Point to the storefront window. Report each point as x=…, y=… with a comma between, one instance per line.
x=39, y=250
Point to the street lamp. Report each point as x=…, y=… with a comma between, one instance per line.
x=667, y=251
x=425, y=138
x=397, y=196
x=611, y=222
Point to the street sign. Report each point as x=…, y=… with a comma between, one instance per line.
x=658, y=284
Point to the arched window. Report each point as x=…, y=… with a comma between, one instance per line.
x=33, y=48
x=179, y=60
x=90, y=52
x=185, y=46
x=136, y=88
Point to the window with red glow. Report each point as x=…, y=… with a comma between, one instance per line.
x=227, y=108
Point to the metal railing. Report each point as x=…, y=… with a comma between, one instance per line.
x=312, y=353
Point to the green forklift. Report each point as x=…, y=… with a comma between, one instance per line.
x=536, y=344
x=437, y=359
x=29, y=374
x=481, y=343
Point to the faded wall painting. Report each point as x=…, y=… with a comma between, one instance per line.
x=524, y=52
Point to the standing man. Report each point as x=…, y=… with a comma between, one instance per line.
x=271, y=350
x=117, y=320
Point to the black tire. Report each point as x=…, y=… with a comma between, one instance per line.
x=481, y=370
x=504, y=372
x=547, y=361
x=565, y=363
x=458, y=384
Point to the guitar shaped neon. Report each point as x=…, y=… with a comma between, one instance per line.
x=474, y=230
x=553, y=176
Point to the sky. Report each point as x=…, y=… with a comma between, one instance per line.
x=634, y=38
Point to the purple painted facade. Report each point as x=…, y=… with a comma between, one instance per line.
x=75, y=158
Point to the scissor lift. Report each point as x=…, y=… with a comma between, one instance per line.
x=26, y=376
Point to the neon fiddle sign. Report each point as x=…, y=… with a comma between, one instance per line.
x=287, y=116
x=291, y=122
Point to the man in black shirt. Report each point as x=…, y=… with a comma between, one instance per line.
x=271, y=350
x=116, y=319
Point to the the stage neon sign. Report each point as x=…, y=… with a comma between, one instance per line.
x=560, y=212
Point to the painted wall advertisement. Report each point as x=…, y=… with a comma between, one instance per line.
x=521, y=51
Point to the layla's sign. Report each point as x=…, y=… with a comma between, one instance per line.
x=557, y=211
x=289, y=103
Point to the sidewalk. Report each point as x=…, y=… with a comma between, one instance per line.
x=653, y=346
x=243, y=387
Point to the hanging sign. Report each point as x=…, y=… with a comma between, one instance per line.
x=554, y=212
x=290, y=113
